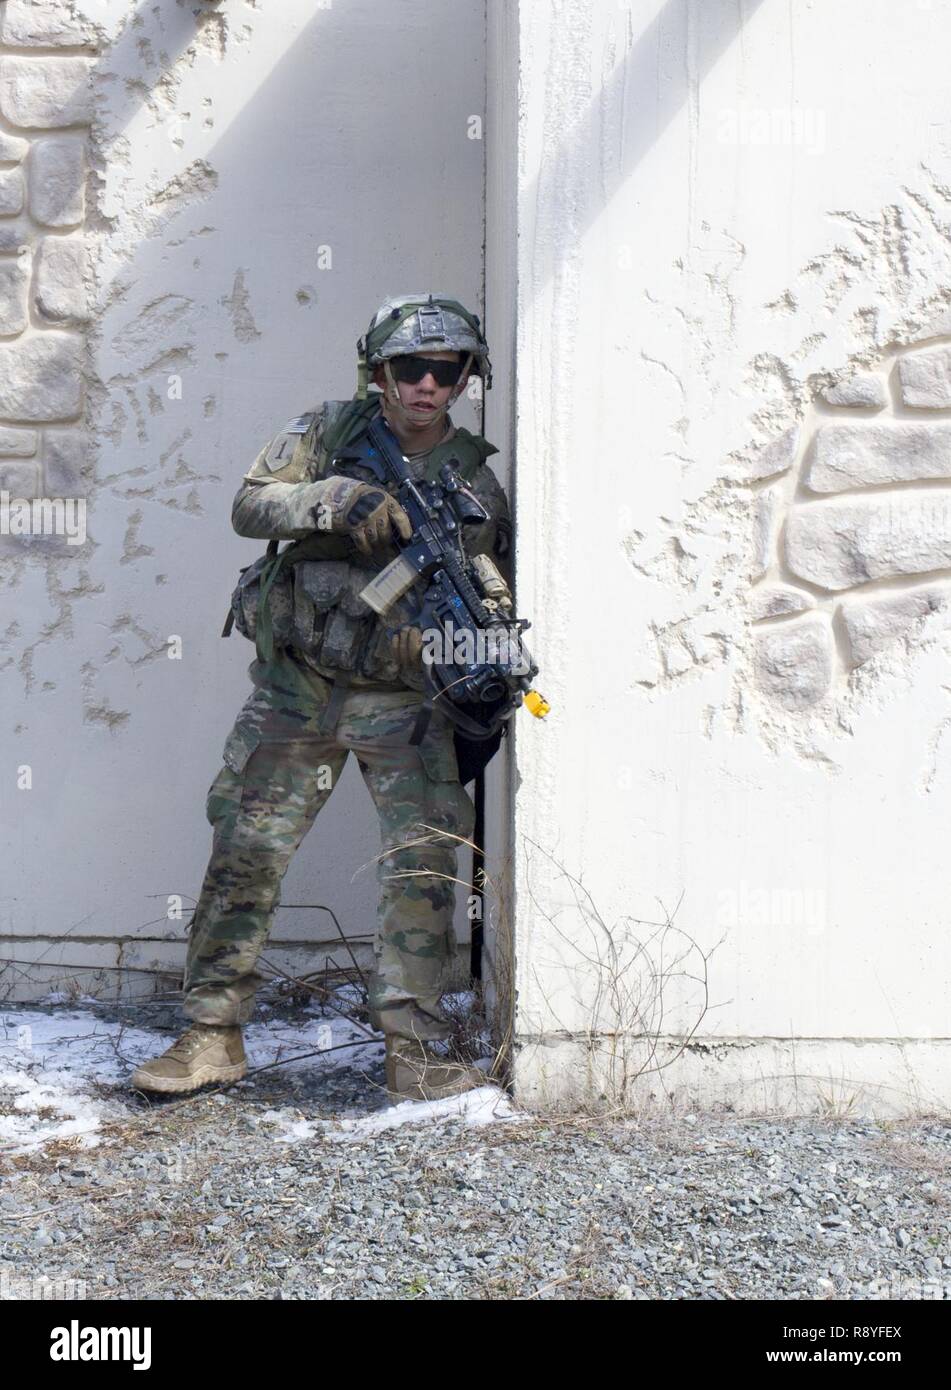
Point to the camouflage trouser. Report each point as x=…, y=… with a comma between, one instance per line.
x=279, y=770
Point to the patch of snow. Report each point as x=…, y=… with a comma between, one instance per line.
x=483, y=1106
x=480, y=1107
x=281, y=1041
x=49, y=1064
x=293, y=1124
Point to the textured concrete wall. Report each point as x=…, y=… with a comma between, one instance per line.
x=734, y=482
x=200, y=206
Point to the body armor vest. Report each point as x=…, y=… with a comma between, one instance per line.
x=306, y=596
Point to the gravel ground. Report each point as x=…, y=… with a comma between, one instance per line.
x=291, y=1185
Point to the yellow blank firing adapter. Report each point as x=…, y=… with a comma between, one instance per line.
x=536, y=704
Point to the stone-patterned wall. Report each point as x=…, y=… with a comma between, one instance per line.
x=46, y=57
x=852, y=525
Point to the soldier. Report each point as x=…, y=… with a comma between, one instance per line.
x=330, y=680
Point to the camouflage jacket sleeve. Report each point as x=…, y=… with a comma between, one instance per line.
x=280, y=495
x=493, y=537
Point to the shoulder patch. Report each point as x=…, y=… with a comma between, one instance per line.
x=280, y=452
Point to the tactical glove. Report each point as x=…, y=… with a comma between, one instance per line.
x=372, y=517
x=407, y=645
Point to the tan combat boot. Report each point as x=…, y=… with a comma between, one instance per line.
x=415, y=1073
x=203, y=1053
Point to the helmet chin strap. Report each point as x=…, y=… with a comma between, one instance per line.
x=406, y=414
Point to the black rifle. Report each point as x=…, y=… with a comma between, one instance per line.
x=475, y=663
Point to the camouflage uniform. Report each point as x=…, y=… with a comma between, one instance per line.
x=281, y=760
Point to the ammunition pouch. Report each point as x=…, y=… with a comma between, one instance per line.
x=307, y=597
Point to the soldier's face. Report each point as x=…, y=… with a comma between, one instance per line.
x=425, y=395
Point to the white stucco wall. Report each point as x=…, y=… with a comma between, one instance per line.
x=259, y=175
x=722, y=210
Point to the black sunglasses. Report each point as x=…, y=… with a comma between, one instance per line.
x=413, y=369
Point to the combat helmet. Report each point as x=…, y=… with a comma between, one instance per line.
x=415, y=323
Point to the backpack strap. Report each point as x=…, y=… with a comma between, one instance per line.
x=264, y=635
x=342, y=423
x=469, y=451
